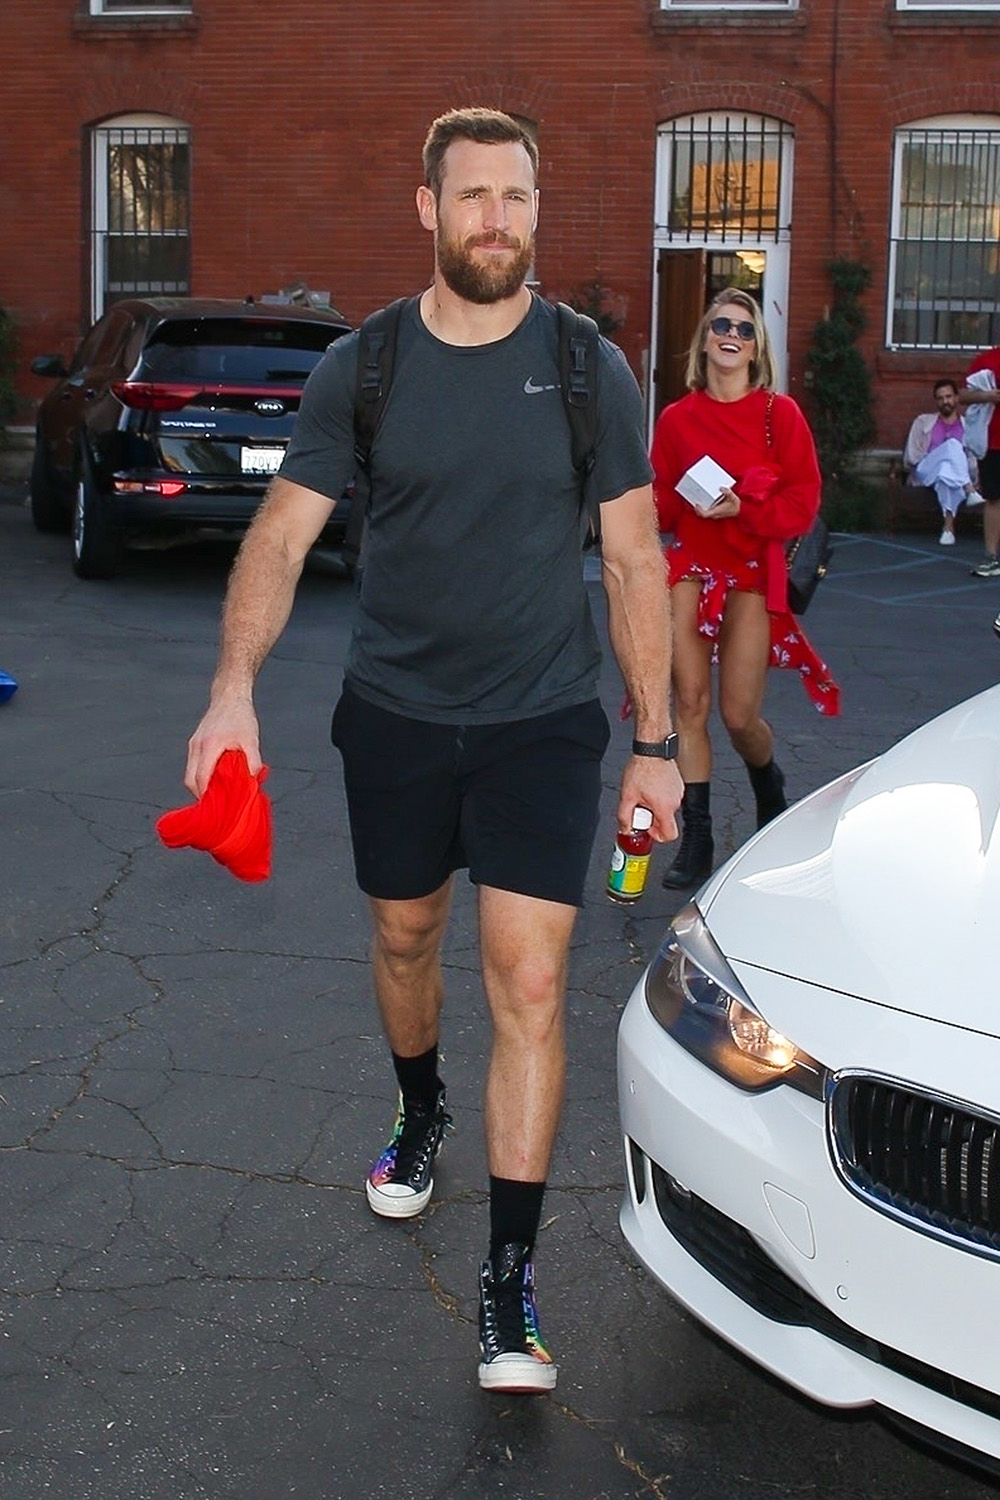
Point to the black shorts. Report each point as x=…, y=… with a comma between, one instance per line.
x=989, y=474
x=516, y=804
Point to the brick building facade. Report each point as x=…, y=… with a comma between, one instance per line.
x=230, y=146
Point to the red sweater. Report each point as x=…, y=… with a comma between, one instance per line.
x=778, y=503
x=989, y=359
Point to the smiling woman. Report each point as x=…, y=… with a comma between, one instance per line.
x=726, y=564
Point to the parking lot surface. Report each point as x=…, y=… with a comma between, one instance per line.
x=195, y=1300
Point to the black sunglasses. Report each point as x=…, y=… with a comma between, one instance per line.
x=721, y=326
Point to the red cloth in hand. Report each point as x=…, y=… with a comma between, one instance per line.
x=758, y=483
x=231, y=821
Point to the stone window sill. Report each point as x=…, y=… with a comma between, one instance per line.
x=717, y=20
x=958, y=22
x=100, y=28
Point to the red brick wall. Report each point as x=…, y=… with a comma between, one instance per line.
x=307, y=122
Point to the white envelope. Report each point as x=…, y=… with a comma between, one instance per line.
x=702, y=484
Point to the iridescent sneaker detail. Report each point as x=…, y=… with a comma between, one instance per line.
x=514, y=1355
x=400, y=1183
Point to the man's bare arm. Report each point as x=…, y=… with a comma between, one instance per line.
x=258, y=603
x=639, y=627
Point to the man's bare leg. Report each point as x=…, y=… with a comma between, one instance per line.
x=406, y=960
x=524, y=943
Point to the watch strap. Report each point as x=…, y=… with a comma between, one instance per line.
x=665, y=749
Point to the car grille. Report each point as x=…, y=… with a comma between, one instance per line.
x=927, y=1160
x=735, y=1259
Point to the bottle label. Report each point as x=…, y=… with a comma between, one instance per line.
x=627, y=875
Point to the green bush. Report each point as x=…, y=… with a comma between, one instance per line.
x=599, y=302
x=854, y=504
x=840, y=381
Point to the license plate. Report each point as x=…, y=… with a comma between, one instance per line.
x=261, y=460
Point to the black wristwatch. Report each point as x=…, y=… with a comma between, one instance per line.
x=662, y=749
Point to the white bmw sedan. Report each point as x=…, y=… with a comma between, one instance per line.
x=809, y=1086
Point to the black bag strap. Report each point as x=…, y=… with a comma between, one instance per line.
x=376, y=357
x=578, y=363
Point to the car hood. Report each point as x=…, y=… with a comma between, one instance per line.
x=884, y=885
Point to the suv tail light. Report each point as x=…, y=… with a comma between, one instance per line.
x=145, y=395
x=168, y=488
x=159, y=395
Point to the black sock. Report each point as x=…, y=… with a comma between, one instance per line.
x=418, y=1078
x=515, y=1212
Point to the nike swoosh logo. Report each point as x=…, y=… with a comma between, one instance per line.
x=531, y=389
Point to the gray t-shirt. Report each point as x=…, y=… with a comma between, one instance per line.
x=472, y=607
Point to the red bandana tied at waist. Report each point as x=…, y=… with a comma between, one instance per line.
x=789, y=645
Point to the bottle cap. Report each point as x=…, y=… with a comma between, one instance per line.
x=642, y=818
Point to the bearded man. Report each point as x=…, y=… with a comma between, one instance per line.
x=469, y=722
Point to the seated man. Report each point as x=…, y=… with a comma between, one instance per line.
x=936, y=456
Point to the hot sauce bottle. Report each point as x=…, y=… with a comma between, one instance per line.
x=630, y=858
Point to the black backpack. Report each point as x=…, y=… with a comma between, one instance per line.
x=578, y=337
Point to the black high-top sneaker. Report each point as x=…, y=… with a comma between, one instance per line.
x=514, y=1356
x=400, y=1183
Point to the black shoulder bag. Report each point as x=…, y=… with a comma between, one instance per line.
x=807, y=556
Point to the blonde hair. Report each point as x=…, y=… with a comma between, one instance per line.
x=762, y=371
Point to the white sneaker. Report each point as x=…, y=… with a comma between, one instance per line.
x=974, y=498
x=946, y=539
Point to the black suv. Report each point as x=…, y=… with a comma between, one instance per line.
x=172, y=416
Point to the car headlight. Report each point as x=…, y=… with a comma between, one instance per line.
x=696, y=997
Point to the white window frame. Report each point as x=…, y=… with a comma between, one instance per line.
x=775, y=244
x=749, y=5
x=948, y=125
x=948, y=5
x=140, y=8
x=99, y=212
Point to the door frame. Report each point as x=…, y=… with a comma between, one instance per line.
x=776, y=249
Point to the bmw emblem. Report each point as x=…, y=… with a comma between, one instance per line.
x=269, y=407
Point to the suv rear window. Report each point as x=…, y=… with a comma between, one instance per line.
x=226, y=350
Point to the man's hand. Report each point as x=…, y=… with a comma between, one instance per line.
x=229, y=724
x=656, y=784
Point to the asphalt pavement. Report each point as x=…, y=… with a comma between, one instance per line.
x=195, y=1300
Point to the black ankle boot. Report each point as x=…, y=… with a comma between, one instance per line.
x=768, y=784
x=694, y=857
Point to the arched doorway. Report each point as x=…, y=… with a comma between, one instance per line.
x=723, y=218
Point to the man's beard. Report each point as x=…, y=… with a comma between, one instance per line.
x=484, y=281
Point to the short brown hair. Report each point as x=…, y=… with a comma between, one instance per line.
x=490, y=127
x=762, y=372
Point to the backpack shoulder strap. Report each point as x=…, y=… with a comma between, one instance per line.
x=376, y=358
x=578, y=361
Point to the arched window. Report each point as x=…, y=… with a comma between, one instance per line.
x=726, y=177
x=944, y=267
x=140, y=214
x=723, y=218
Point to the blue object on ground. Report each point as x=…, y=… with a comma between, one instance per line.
x=8, y=687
